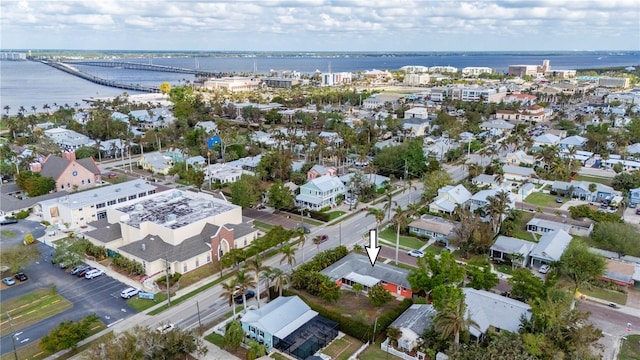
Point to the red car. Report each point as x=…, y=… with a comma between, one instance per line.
x=321, y=238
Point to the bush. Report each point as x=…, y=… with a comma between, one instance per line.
x=318, y=215
x=20, y=215
x=173, y=279
x=325, y=209
x=131, y=266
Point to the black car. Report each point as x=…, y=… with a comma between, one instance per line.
x=21, y=276
x=248, y=295
x=76, y=270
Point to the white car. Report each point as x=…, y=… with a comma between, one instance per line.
x=93, y=273
x=416, y=253
x=165, y=328
x=544, y=269
x=129, y=292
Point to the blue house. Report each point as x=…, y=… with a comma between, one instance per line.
x=634, y=196
x=289, y=325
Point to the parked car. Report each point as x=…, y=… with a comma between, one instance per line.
x=21, y=276
x=112, y=175
x=78, y=269
x=637, y=211
x=8, y=281
x=559, y=200
x=320, y=239
x=350, y=201
x=8, y=221
x=633, y=205
x=304, y=228
x=416, y=253
x=248, y=295
x=129, y=292
x=85, y=271
x=544, y=269
x=93, y=273
x=165, y=328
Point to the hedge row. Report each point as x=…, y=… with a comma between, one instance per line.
x=324, y=259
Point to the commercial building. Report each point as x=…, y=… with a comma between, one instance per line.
x=232, y=84
x=614, y=82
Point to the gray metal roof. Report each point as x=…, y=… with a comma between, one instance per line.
x=489, y=309
x=416, y=318
x=9, y=203
x=551, y=245
x=281, y=316
x=360, y=264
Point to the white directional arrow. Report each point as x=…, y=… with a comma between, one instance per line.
x=373, y=249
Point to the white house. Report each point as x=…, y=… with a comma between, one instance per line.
x=572, y=141
x=505, y=247
x=546, y=140
x=517, y=173
x=417, y=112
x=480, y=199
x=320, y=192
x=489, y=310
x=449, y=197
x=550, y=247
x=518, y=158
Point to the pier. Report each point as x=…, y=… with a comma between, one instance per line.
x=97, y=80
x=146, y=67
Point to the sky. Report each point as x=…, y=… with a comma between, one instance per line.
x=320, y=25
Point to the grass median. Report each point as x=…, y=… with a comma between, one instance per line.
x=31, y=308
x=191, y=294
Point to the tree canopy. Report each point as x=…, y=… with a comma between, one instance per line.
x=246, y=191
x=622, y=238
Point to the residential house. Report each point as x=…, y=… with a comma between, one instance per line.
x=209, y=127
x=319, y=170
x=286, y=323
x=519, y=158
x=356, y=269
x=449, y=197
x=504, y=248
x=118, y=116
x=493, y=311
x=619, y=272
x=483, y=180
x=580, y=190
x=412, y=323
x=434, y=227
x=112, y=148
x=517, y=173
x=627, y=165
x=224, y=174
x=161, y=117
x=415, y=127
x=499, y=126
x=634, y=196
x=69, y=174
x=156, y=162
x=68, y=139
x=249, y=163
x=140, y=116
x=546, y=140
x=378, y=181
x=417, y=112
x=320, y=192
x=544, y=223
x=570, y=142
x=526, y=189
x=633, y=149
x=480, y=199
x=262, y=137
x=549, y=248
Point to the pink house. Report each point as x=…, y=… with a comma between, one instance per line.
x=70, y=174
x=319, y=170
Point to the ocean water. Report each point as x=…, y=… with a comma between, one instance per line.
x=26, y=83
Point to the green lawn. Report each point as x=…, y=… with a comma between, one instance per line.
x=31, y=308
x=144, y=304
x=335, y=214
x=541, y=199
x=407, y=241
x=374, y=352
x=604, y=294
x=433, y=249
x=215, y=339
x=191, y=294
x=278, y=356
x=342, y=348
x=595, y=179
x=505, y=269
x=263, y=225
x=630, y=348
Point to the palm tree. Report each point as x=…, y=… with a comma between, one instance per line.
x=228, y=292
x=255, y=350
x=288, y=255
x=453, y=320
x=279, y=279
x=379, y=216
x=497, y=207
x=401, y=221
x=257, y=267
x=388, y=198
x=244, y=282
x=303, y=239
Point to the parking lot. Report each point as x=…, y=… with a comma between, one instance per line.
x=20, y=229
x=100, y=295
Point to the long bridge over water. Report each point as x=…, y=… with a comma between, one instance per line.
x=147, y=67
x=97, y=80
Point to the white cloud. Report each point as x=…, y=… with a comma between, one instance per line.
x=372, y=24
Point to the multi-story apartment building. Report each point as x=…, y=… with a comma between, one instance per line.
x=417, y=79
x=614, y=82
x=476, y=70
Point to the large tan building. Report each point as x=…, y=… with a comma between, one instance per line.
x=178, y=229
x=232, y=84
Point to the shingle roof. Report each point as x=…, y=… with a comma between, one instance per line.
x=54, y=166
x=360, y=264
x=90, y=165
x=152, y=248
x=416, y=318
x=104, y=232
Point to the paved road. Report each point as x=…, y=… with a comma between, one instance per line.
x=613, y=325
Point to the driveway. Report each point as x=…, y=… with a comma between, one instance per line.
x=100, y=296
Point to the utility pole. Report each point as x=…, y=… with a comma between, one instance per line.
x=198, y=308
x=13, y=336
x=340, y=234
x=166, y=264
